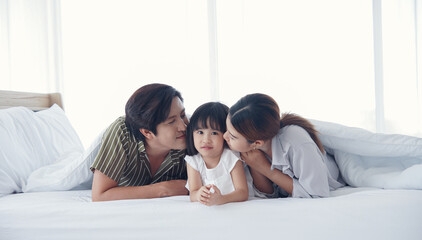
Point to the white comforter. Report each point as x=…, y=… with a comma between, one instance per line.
x=366, y=159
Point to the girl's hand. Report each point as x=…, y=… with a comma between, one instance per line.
x=213, y=198
x=203, y=194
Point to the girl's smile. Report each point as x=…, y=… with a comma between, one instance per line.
x=206, y=147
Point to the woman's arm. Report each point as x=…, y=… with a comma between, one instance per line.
x=106, y=189
x=238, y=195
x=261, y=182
x=258, y=163
x=310, y=172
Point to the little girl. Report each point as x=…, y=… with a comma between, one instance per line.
x=215, y=173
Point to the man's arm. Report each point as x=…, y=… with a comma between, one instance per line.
x=106, y=189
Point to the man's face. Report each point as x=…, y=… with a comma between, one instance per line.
x=171, y=134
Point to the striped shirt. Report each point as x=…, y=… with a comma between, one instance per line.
x=124, y=159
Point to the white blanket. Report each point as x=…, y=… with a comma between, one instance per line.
x=367, y=159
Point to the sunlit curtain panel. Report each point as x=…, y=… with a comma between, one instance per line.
x=314, y=57
x=30, y=51
x=353, y=62
x=402, y=39
x=113, y=47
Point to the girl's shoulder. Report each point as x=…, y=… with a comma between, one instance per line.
x=194, y=161
x=229, y=158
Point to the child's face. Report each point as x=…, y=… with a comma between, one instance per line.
x=208, y=142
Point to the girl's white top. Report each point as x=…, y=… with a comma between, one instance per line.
x=220, y=175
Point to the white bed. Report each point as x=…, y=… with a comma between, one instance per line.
x=350, y=214
x=51, y=207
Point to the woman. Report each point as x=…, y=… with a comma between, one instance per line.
x=142, y=153
x=285, y=156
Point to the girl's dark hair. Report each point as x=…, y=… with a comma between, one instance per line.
x=257, y=117
x=209, y=115
x=149, y=106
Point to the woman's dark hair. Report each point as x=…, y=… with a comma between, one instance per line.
x=149, y=106
x=257, y=117
x=209, y=115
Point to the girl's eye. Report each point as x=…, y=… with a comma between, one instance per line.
x=214, y=133
x=199, y=132
x=172, y=121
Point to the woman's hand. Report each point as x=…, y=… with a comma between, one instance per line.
x=256, y=160
x=263, y=176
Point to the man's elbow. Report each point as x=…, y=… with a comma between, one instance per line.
x=96, y=198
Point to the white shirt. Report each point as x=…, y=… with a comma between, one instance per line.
x=296, y=154
x=220, y=176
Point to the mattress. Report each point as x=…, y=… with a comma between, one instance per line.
x=350, y=213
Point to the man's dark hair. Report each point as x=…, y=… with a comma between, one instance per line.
x=149, y=106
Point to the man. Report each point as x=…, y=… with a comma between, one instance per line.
x=142, y=153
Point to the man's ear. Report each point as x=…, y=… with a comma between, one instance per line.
x=147, y=133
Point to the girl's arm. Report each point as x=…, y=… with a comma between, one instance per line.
x=258, y=163
x=238, y=195
x=198, y=193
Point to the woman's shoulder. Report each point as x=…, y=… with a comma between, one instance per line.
x=295, y=135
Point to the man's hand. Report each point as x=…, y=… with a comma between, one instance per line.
x=172, y=188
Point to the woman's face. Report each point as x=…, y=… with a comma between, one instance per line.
x=171, y=134
x=235, y=140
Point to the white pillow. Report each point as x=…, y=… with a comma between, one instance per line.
x=30, y=140
x=72, y=171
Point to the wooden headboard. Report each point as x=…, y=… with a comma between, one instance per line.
x=34, y=101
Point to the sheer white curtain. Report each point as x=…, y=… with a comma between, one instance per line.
x=402, y=60
x=316, y=58
x=113, y=47
x=30, y=50
x=354, y=62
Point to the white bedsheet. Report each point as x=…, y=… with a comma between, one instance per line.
x=352, y=213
